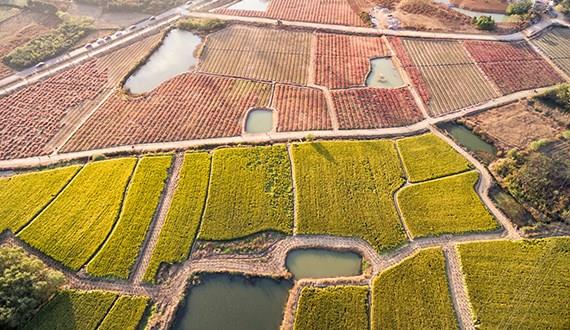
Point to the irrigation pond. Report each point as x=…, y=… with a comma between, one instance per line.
x=472, y=142
x=383, y=74
x=255, y=5
x=259, y=121
x=322, y=263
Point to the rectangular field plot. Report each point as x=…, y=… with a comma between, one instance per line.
x=345, y=189
x=364, y=108
x=427, y=157
x=117, y=257
x=445, y=206
x=250, y=192
x=75, y=225
x=300, y=109
x=344, y=60
x=512, y=66
x=413, y=294
x=183, y=218
x=436, y=53
x=519, y=285
x=24, y=196
x=335, y=307
x=258, y=53
x=556, y=45
x=189, y=106
x=126, y=313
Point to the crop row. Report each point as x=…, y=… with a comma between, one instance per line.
x=361, y=108
x=487, y=51
x=556, y=45
x=343, y=60
x=300, y=109
x=414, y=74
x=257, y=53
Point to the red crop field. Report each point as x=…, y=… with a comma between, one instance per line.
x=362, y=108
x=342, y=12
x=513, y=66
x=300, y=109
x=415, y=75
x=32, y=116
x=344, y=60
x=189, y=106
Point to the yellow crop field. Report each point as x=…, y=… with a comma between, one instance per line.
x=125, y=314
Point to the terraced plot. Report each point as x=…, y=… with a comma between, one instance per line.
x=364, y=108
x=183, y=218
x=519, y=285
x=189, y=106
x=300, y=109
x=258, y=53
x=336, y=307
x=75, y=225
x=250, y=192
x=24, y=196
x=445, y=206
x=413, y=294
x=512, y=66
x=556, y=45
x=427, y=157
x=343, y=61
x=345, y=189
x=117, y=257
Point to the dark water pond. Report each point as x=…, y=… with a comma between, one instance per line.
x=470, y=141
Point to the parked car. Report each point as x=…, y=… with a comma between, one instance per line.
x=108, y=38
x=89, y=46
x=152, y=18
x=39, y=65
x=132, y=27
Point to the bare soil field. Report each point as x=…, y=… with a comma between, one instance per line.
x=257, y=53
x=513, y=126
x=344, y=61
x=555, y=43
x=300, y=109
x=486, y=6
x=361, y=108
x=342, y=12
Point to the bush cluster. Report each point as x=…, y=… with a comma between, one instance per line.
x=484, y=22
x=558, y=97
x=200, y=24
x=519, y=7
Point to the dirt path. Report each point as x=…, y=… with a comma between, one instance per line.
x=457, y=288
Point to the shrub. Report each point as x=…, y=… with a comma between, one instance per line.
x=519, y=7
x=200, y=24
x=558, y=97
x=484, y=23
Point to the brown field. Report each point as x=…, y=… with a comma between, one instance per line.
x=513, y=126
x=486, y=6
x=556, y=45
x=342, y=12
x=189, y=106
x=300, y=109
x=344, y=61
x=362, y=108
x=256, y=53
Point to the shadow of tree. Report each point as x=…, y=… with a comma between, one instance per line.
x=323, y=151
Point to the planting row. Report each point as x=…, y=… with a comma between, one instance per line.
x=555, y=43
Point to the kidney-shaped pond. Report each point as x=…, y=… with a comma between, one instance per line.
x=224, y=301
x=322, y=263
x=174, y=56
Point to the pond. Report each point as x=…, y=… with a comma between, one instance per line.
x=384, y=74
x=174, y=56
x=472, y=142
x=256, y=5
x=259, y=121
x=497, y=17
x=509, y=205
x=224, y=301
x=322, y=263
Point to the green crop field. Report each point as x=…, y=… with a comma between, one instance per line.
x=413, y=294
x=120, y=252
x=519, y=285
x=23, y=196
x=427, y=157
x=250, y=192
x=345, y=188
x=445, y=206
x=183, y=218
x=336, y=307
x=126, y=313
x=75, y=225
x=77, y=310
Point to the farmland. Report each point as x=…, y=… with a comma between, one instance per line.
x=375, y=108
x=427, y=157
x=258, y=53
x=300, y=109
x=445, y=206
x=75, y=225
x=125, y=314
x=183, y=218
x=555, y=44
x=117, y=257
x=340, y=307
x=413, y=294
x=345, y=189
x=24, y=196
x=250, y=188
x=343, y=61
x=522, y=284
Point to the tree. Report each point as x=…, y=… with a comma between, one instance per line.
x=484, y=22
x=519, y=7
x=25, y=285
x=564, y=7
